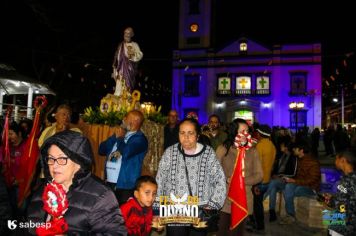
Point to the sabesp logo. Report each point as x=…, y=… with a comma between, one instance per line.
x=12, y=224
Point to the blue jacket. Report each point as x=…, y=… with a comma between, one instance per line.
x=132, y=153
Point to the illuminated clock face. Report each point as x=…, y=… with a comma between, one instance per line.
x=194, y=27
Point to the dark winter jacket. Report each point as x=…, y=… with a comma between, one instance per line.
x=285, y=165
x=93, y=207
x=170, y=136
x=308, y=172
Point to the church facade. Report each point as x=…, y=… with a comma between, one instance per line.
x=278, y=85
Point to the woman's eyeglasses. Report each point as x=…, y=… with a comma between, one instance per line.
x=60, y=160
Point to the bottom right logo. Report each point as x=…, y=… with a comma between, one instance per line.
x=334, y=217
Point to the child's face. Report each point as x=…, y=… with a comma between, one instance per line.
x=146, y=194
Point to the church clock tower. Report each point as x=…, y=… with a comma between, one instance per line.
x=195, y=24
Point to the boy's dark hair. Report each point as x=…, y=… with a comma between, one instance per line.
x=302, y=145
x=145, y=179
x=286, y=141
x=350, y=157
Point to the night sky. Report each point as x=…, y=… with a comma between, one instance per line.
x=70, y=44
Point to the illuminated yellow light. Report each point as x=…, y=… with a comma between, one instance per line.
x=296, y=105
x=243, y=47
x=194, y=27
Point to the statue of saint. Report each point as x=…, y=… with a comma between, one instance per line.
x=127, y=55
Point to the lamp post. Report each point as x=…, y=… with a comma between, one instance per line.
x=296, y=107
x=342, y=107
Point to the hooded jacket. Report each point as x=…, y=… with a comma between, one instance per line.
x=93, y=207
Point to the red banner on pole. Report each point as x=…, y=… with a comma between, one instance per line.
x=31, y=155
x=237, y=191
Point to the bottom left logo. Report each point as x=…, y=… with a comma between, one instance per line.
x=13, y=224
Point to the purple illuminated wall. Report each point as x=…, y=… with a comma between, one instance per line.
x=195, y=57
x=279, y=62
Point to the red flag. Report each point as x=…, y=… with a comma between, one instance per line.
x=9, y=177
x=30, y=156
x=237, y=192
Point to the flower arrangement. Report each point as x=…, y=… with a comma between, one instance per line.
x=96, y=116
x=152, y=113
x=55, y=203
x=112, y=118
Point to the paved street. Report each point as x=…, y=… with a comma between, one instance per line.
x=274, y=229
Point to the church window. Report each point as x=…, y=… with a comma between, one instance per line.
x=298, y=83
x=191, y=85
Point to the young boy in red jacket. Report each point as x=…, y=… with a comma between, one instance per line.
x=137, y=211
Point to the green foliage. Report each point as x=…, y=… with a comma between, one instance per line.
x=156, y=117
x=112, y=118
x=95, y=116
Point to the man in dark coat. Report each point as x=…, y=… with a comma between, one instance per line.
x=171, y=129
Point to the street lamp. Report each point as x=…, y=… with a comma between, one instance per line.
x=296, y=107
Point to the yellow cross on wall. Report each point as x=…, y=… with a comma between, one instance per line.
x=243, y=82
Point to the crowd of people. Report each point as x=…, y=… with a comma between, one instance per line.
x=198, y=160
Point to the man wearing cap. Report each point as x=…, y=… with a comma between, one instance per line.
x=267, y=153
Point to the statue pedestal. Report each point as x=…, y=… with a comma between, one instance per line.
x=126, y=102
